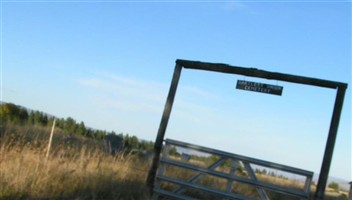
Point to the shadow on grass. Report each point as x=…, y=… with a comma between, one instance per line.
x=129, y=190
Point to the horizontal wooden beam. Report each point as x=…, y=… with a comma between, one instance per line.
x=253, y=72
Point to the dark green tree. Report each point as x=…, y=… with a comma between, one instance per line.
x=70, y=125
x=31, y=118
x=23, y=114
x=334, y=185
x=40, y=118
x=9, y=112
x=81, y=129
x=134, y=142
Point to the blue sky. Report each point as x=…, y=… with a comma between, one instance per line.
x=110, y=65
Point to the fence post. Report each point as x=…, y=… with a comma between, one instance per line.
x=329, y=149
x=50, y=140
x=162, y=128
x=350, y=193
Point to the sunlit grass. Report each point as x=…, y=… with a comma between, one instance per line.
x=86, y=173
x=82, y=170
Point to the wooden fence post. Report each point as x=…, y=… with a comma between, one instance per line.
x=162, y=128
x=50, y=140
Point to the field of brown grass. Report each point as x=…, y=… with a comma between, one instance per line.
x=86, y=173
x=80, y=171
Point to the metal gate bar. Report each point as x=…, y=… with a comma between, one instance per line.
x=251, y=179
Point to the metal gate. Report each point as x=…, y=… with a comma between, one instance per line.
x=252, y=72
x=189, y=171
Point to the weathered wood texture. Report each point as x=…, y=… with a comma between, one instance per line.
x=162, y=128
x=224, y=68
x=330, y=144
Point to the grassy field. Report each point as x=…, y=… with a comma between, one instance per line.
x=74, y=170
x=83, y=172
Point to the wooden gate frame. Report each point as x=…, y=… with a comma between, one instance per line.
x=253, y=72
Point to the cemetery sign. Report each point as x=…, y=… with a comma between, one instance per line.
x=259, y=87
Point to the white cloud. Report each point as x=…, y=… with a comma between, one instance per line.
x=199, y=92
x=128, y=94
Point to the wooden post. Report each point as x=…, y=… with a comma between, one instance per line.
x=350, y=193
x=162, y=128
x=329, y=149
x=50, y=140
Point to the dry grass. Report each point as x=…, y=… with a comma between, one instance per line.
x=81, y=170
x=238, y=187
x=86, y=173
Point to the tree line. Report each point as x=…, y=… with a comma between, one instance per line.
x=11, y=113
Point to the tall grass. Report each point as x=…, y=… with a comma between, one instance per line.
x=83, y=172
x=80, y=169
